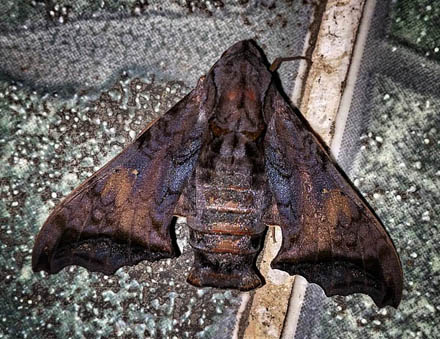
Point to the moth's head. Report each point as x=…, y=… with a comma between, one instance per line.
x=244, y=60
x=244, y=46
x=241, y=78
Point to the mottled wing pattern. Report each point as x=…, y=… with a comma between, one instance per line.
x=330, y=236
x=122, y=214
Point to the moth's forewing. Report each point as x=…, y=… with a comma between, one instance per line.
x=122, y=214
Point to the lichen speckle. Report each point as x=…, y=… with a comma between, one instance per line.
x=416, y=23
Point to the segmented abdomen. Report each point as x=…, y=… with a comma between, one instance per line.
x=229, y=222
x=227, y=234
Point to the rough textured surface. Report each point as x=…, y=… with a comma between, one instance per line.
x=416, y=25
x=269, y=304
x=93, y=44
x=331, y=60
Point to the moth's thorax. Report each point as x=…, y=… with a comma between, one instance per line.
x=241, y=81
x=238, y=111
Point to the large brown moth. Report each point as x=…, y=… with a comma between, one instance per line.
x=232, y=156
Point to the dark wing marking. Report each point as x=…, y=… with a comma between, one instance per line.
x=122, y=214
x=330, y=236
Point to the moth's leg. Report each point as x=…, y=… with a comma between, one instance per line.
x=272, y=217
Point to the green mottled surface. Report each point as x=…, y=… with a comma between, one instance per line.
x=177, y=40
x=22, y=12
x=417, y=23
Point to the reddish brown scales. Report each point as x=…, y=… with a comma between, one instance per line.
x=232, y=156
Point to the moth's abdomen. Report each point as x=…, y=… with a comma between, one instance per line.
x=226, y=237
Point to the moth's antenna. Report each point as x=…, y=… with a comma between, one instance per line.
x=277, y=62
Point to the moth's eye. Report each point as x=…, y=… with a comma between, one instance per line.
x=218, y=131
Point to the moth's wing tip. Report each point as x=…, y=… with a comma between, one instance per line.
x=38, y=263
x=97, y=255
x=382, y=294
x=44, y=244
x=393, y=302
x=380, y=298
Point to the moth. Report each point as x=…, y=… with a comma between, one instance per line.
x=233, y=156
